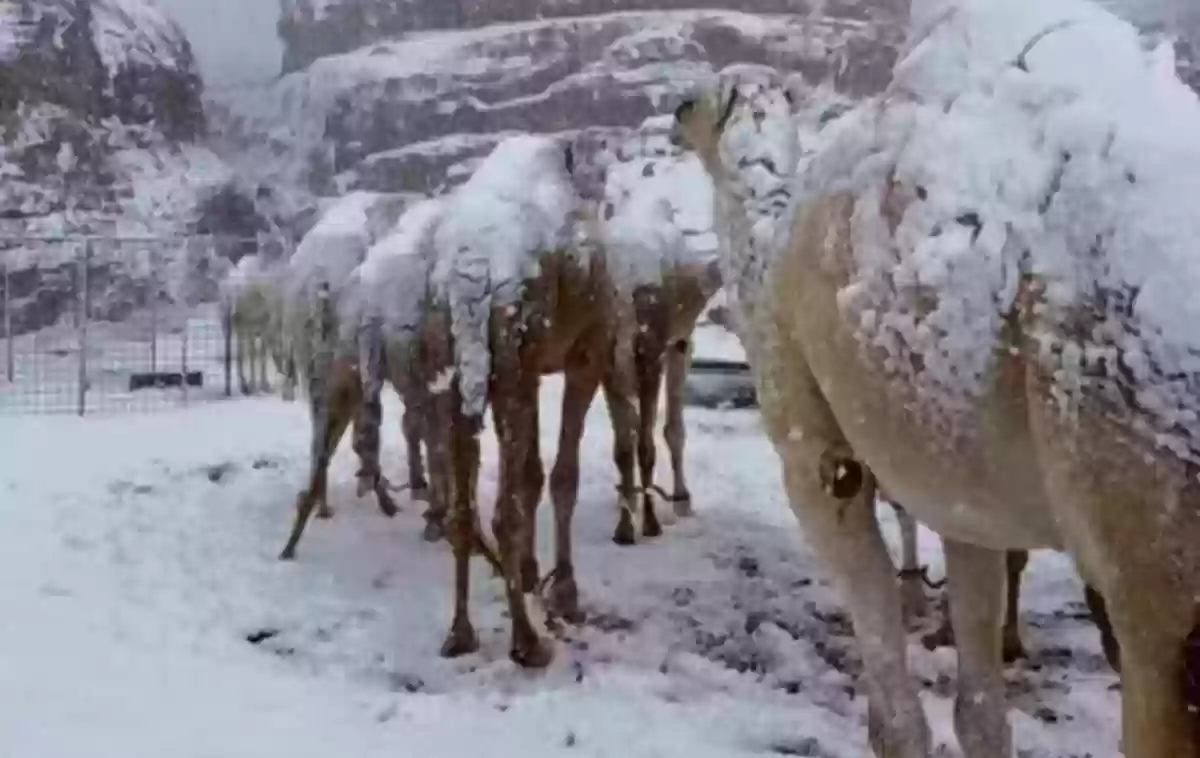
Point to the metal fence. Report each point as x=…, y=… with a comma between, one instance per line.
x=103, y=324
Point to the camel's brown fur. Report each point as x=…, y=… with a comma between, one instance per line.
x=1127, y=511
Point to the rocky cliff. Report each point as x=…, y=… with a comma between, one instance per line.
x=411, y=114
x=101, y=122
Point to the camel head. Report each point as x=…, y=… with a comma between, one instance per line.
x=747, y=121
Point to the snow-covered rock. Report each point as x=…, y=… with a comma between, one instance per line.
x=416, y=113
x=100, y=119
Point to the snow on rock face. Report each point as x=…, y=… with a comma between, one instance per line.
x=519, y=204
x=138, y=32
x=1075, y=166
x=413, y=110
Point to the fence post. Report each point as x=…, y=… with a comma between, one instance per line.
x=183, y=369
x=154, y=295
x=10, y=361
x=227, y=327
x=84, y=303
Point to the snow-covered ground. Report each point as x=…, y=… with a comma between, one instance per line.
x=145, y=613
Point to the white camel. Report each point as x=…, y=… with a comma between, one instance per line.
x=985, y=294
x=251, y=296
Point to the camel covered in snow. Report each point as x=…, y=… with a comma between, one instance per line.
x=311, y=295
x=656, y=222
x=982, y=296
x=528, y=295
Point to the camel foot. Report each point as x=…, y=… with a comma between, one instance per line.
x=683, y=506
x=288, y=554
x=943, y=636
x=1014, y=651
x=324, y=511
x=563, y=600
x=420, y=493
x=624, y=534
x=434, y=530
x=650, y=524
x=532, y=653
x=387, y=506
x=462, y=640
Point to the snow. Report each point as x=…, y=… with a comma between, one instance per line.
x=139, y=560
x=392, y=282
x=658, y=212
x=1109, y=233
x=138, y=32
x=11, y=31
x=519, y=204
x=337, y=243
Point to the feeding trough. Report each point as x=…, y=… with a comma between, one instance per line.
x=145, y=380
x=720, y=383
x=719, y=376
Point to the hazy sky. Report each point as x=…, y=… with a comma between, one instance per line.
x=234, y=40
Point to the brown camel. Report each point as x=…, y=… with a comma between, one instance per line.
x=662, y=259
x=1028, y=459
x=527, y=294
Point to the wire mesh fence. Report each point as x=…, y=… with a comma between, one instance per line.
x=109, y=325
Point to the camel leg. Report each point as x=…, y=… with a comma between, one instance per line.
x=833, y=497
x=650, y=371
x=974, y=582
x=1015, y=562
x=533, y=482
x=581, y=384
x=464, y=450
x=912, y=582
x=1132, y=522
x=845, y=535
x=242, y=349
x=440, y=492
x=678, y=358
x=263, y=384
x=412, y=423
x=1108, y=640
x=624, y=421
x=368, y=420
x=514, y=391
x=330, y=417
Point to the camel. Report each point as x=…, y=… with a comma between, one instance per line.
x=665, y=272
x=317, y=351
x=527, y=294
x=250, y=294
x=1016, y=409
